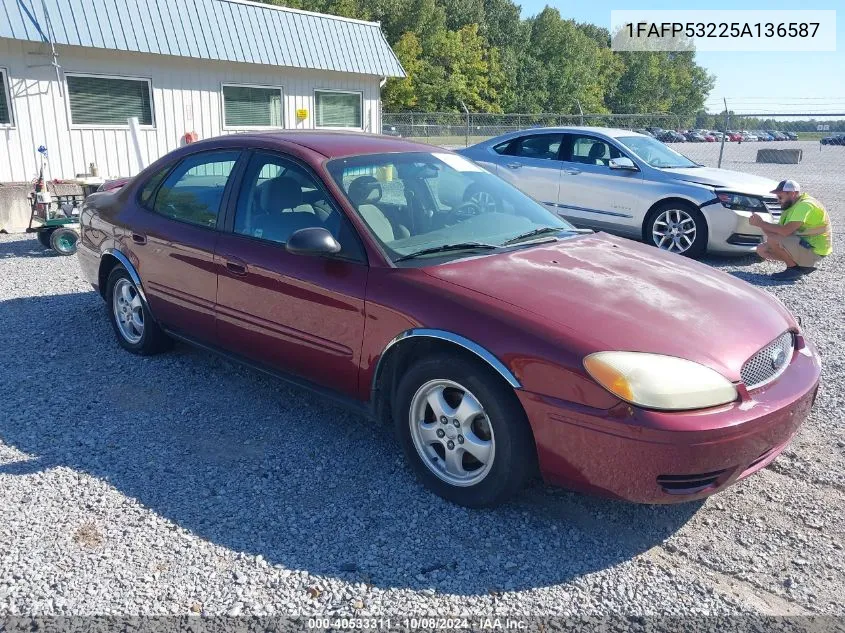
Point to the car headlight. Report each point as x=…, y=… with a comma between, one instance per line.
x=740, y=202
x=655, y=381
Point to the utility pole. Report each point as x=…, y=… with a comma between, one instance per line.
x=581, y=110
x=464, y=106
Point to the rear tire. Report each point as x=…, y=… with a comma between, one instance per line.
x=131, y=320
x=43, y=237
x=676, y=227
x=484, y=451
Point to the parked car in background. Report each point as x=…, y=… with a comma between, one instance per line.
x=748, y=136
x=734, y=136
x=763, y=136
x=778, y=136
x=426, y=293
x=716, y=135
x=694, y=137
x=791, y=136
x=670, y=136
x=643, y=131
x=838, y=139
x=633, y=185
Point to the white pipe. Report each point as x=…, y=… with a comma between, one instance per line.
x=135, y=133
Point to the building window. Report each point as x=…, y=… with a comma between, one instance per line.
x=339, y=109
x=252, y=106
x=108, y=101
x=5, y=100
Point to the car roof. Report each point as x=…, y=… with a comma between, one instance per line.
x=335, y=144
x=610, y=132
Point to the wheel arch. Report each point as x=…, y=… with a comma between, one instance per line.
x=418, y=342
x=110, y=258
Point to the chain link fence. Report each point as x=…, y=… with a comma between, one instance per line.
x=807, y=147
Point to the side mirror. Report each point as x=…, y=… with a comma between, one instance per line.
x=312, y=241
x=623, y=163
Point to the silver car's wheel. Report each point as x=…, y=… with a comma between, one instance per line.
x=484, y=202
x=452, y=433
x=674, y=230
x=128, y=311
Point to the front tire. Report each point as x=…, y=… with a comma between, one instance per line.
x=463, y=432
x=133, y=325
x=676, y=227
x=64, y=240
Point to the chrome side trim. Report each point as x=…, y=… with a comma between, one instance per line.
x=586, y=210
x=123, y=259
x=457, y=339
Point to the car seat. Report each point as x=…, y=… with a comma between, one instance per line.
x=364, y=192
x=282, y=211
x=597, y=151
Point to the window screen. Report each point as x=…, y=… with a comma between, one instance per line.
x=5, y=109
x=106, y=101
x=338, y=109
x=246, y=106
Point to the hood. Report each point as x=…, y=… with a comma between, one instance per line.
x=610, y=293
x=724, y=179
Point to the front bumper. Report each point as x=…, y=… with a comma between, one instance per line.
x=729, y=231
x=670, y=457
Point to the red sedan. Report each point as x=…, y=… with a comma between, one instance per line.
x=413, y=285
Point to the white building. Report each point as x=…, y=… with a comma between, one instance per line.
x=73, y=71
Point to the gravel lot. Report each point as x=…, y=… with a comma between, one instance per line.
x=185, y=484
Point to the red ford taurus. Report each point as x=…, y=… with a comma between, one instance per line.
x=500, y=341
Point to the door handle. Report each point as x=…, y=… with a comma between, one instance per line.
x=572, y=172
x=236, y=268
x=514, y=165
x=139, y=238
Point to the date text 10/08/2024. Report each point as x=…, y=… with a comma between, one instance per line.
x=418, y=624
x=722, y=29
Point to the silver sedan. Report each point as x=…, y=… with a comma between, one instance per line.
x=633, y=185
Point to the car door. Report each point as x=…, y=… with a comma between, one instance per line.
x=531, y=163
x=592, y=194
x=299, y=314
x=173, y=238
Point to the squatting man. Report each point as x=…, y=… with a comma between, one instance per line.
x=802, y=238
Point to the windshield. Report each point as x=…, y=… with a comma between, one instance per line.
x=420, y=201
x=656, y=153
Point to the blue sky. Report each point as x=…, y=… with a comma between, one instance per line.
x=751, y=82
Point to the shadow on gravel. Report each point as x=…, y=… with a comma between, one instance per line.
x=25, y=248
x=245, y=462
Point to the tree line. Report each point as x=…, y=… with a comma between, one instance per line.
x=481, y=54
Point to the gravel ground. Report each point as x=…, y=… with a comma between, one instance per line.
x=186, y=484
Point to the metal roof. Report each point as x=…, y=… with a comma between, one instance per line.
x=225, y=30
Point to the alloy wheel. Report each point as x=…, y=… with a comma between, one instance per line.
x=128, y=311
x=452, y=433
x=674, y=230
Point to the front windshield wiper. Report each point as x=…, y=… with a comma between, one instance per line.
x=461, y=246
x=543, y=231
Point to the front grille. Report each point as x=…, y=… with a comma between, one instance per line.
x=769, y=363
x=772, y=206
x=688, y=484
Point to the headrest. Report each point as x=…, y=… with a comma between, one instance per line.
x=364, y=189
x=597, y=150
x=279, y=193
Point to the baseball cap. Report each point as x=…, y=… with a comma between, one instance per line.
x=786, y=185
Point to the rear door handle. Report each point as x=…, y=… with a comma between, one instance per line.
x=236, y=267
x=514, y=165
x=139, y=238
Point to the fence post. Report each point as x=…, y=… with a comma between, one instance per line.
x=724, y=134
